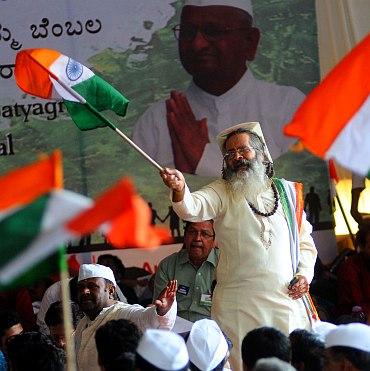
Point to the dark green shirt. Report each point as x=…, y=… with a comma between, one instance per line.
x=192, y=283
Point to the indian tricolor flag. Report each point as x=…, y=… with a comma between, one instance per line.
x=33, y=207
x=32, y=233
x=48, y=74
x=334, y=120
x=37, y=217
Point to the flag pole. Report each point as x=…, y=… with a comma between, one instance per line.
x=346, y=220
x=82, y=100
x=124, y=137
x=67, y=314
x=334, y=180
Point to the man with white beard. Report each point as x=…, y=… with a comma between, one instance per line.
x=262, y=233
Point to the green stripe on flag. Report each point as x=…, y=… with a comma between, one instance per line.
x=19, y=229
x=43, y=269
x=101, y=96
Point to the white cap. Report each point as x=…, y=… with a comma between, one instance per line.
x=245, y=5
x=96, y=271
x=163, y=349
x=322, y=328
x=272, y=363
x=353, y=335
x=206, y=344
x=254, y=127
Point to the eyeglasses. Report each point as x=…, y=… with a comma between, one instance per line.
x=203, y=233
x=209, y=31
x=243, y=151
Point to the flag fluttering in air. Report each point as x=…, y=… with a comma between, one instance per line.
x=48, y=74
x=32, y=205
x=37, y=217
x=334, y=119
x=128, y=215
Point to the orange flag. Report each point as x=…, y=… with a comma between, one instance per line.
x=129, y=219
x=334, y=120
x=21, y=186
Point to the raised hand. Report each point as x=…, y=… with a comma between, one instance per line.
x=174, y=179
x=166, y=298
x=189, y=136
x=299, y=288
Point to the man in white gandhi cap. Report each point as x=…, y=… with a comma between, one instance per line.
x=216, y=41
x=347, y=348
x=263, y=237
x=96, y=298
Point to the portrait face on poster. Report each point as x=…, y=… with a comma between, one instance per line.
x=188, y=74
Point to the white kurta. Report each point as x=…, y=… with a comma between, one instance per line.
x=54, y=294
x=252, y=277
x=249, y=100
x=87, y=356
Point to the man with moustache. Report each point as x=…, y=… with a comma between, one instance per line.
x=194, y=269
x=263, y=237
x=216, y=40
x=96, y=298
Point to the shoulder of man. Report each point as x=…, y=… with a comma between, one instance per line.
x=217, y=186
x=80, y=326
x=214, y=255
x=173, y=258
x=277, y=90
x=152, y=116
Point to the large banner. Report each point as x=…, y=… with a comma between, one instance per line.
x=131, y=45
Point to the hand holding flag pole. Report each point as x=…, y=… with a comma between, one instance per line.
x=44, y=72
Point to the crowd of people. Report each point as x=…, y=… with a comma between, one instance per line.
x=116, y=336
x=240, y=282
x=240, y=286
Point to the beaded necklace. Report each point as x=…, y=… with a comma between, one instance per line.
x=276, y=203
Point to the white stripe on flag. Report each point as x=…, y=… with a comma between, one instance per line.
x=70, y=73
x=351, y=148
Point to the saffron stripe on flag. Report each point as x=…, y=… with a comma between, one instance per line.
x=108, y=206
x=332, y=104
x=22, y=185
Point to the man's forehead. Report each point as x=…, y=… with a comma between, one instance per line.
x=92, y=280
x=13, y=330
x=201, y=225
x=237, y=139
x=215, y=14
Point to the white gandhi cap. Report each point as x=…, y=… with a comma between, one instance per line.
x=163, y=349
x=353, y=335
x=96, y=271
x=253, y=126
x=245, y=5
x=322, y=328
x=206, y=344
